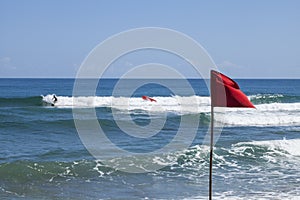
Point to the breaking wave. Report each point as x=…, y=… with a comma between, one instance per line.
x=277, y=112
x=265, y=114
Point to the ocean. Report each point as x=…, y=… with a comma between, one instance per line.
x=43, y=156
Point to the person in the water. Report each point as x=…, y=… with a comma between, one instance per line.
x=54, y=98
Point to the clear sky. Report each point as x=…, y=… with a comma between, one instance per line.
x=257, y=38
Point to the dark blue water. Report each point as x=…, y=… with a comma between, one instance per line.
x=43, y=156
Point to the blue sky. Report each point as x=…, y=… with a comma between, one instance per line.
x=256, y=39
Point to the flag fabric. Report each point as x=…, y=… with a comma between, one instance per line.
x=225, y=92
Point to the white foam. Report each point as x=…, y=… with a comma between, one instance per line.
x=265, y=96
x=192, y=104
x=281, y=114
x=48, y=98
x=228, y=195
x=283, y=147
x=272, y=114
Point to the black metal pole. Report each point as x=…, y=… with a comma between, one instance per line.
x=211, y=151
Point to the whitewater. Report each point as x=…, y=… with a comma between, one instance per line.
x=256, y=156
x=265, y=114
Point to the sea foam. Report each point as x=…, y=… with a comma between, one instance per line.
x=268, y=114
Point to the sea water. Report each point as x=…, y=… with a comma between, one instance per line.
x=257, y=155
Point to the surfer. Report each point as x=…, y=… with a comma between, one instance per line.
x=54, y=98
x=148, y=98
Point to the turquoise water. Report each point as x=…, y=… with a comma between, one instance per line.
x=42, y=156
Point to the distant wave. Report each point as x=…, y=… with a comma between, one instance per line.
x=266, y=114
x=273, y=98
x=21, y=101
x=274, y=113
x=168, y=103
x=192, y=104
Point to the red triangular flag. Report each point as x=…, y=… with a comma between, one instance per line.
x=225, y=92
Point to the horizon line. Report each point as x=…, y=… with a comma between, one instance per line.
x=265, y=78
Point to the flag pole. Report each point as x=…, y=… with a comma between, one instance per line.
x=224, y=92
x=211, y=150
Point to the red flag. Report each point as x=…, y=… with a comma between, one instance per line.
x=148, y=98
x=225, y=92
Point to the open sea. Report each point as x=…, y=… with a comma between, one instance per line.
x=42, y=155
